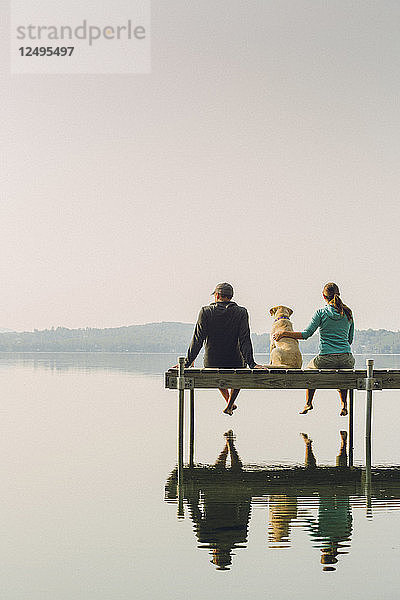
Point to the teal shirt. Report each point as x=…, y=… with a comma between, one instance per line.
x=336, y=332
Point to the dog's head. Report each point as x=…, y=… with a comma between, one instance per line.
x=280, y=311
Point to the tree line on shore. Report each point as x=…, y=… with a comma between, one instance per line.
x=165, y=337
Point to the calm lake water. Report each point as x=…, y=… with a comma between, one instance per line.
x=89, y=503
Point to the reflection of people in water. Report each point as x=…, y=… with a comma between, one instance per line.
x=341, y=459
x=222, y=516
x=333, y=526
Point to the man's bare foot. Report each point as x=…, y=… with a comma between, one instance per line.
x=306, y=409
x=343, y=412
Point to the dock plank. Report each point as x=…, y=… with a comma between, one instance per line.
x=281, y=378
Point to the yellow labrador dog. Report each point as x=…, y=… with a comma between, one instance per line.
x=284, y=353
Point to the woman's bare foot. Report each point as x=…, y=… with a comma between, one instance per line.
x=306, y=409
x=343, y=412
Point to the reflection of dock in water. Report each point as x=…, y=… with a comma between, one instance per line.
x=318, y=500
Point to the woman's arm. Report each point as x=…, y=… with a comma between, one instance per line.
x=297, y=335
x=313, y=326
x=301, y=335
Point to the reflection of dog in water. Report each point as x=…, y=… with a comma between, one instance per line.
x=285, y=352
x=282, y=511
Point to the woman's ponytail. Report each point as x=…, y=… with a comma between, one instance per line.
x=332, y=294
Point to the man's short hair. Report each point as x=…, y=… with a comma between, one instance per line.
x=224, y=289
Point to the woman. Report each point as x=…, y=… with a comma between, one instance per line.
x=336, y=329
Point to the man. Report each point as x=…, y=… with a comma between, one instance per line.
x=224, y=327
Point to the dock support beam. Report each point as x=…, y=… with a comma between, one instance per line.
x=181, y=416
x=368, y=414
x=351, y=427
x=368, y=430
x=191, y=432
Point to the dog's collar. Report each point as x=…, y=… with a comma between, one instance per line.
x=279, y=318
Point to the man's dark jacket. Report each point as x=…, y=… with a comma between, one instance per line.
x=224, y=327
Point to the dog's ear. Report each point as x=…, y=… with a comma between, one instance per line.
x=272, y=311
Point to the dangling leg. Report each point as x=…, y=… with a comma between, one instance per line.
x=226, y=395
x=309, y=404
x=231, y=404
x=343, y=399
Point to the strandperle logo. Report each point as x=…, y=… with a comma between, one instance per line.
x=84, y=31
x=71, y=36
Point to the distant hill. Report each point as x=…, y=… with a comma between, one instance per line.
x=163, y=337
x=151, y=337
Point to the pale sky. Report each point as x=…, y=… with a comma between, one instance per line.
x=262, y=150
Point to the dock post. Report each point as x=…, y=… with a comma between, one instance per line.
x=368, y=430
x=351, y=427
x=181, y=511
x=368, y=416
x=181, y=415
x=191, y=437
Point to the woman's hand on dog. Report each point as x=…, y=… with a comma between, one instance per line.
x=278, y=335
x=295, y=335
x=281, y=334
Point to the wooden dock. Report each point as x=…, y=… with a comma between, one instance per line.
x=272, y=379
x=367, y=380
